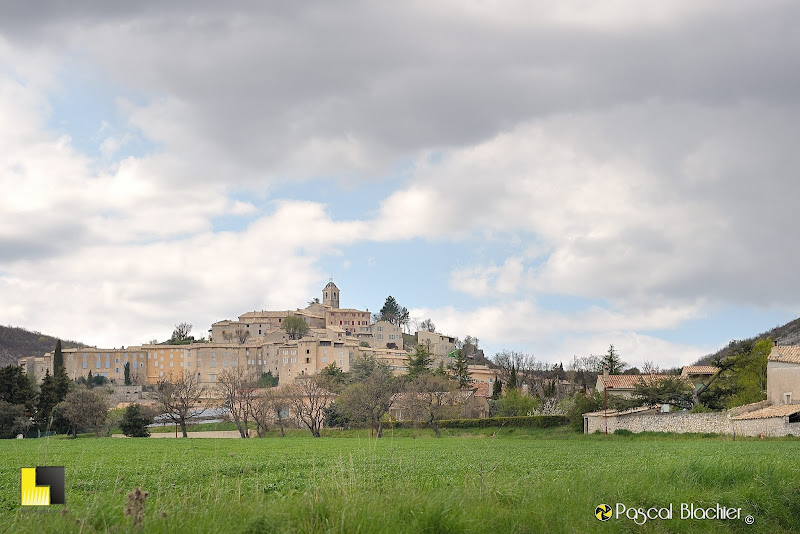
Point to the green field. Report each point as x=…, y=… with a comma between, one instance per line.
x=518, y=480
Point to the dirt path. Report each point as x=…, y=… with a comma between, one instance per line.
x=209, y=434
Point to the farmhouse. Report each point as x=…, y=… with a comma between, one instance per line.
x=778, y=415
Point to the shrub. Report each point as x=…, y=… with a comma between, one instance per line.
x=622, y=432
x=135, y=420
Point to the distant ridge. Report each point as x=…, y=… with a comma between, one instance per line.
x=16, y=343
x=788, y=334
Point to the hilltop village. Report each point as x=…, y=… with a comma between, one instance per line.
x=260, y=342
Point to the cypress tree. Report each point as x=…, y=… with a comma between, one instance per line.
x=58, y=358
x=497, y=388
x=127, y=373
x=512, y=379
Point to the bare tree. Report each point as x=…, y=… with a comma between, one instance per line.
x=370, y=397
x=430, y=398
x=181, y=399
x=427, y=325
x=524, y=365
x=236, y=392
x=242, y=335
x=650, y=367
x=308, y=400
x=271, y=405
x=85, y=409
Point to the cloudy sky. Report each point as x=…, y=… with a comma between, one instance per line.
x=550, y=177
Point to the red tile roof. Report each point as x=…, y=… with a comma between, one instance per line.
x=781, y=410
x=482, y=389
x=785, y=353
x=628, y=381
x=699, y=370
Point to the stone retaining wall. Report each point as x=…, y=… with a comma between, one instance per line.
x=684, y=423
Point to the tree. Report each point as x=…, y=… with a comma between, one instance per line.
x=271, y=405
x=308, y=399
x=512, y=380
x=313, y=301
x=427, y=325
x=672, y=390
x=460, y=369
x=181, y=332
x=393, y=312
x=58, y=358
x=48, y=399
x=16, y=387
x=430, y=398
x=295, y=326
x=267, y=380
x=89, y=380
x=127, y=371
x=135, y=419
x=11, y=415
x=242, y=335
x=235, y=393
x=369, y=398
x=612, y=360
x=85, y=409
x=419, y=362
x=741, y=378
x=497, y=388
x=515, y=404
x=580, y=405
x=180, y=399
x=523, y=366
x=332, y=377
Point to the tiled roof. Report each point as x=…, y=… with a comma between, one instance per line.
x=482, y=389
x=256, y=314
x=699, y=370
x=785, y=353
x=781, y=410
x=614, y=413
x=628, y=381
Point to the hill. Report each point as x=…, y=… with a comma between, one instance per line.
x=788, y=334
x=16, y=343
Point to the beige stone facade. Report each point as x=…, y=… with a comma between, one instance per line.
x=383, y=334
x=783, y=374
x=439, y=345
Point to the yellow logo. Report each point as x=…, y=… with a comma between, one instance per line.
x=602, y=512
x=42, y=486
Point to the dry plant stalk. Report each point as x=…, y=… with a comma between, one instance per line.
x=134, y=508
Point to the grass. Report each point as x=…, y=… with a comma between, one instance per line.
x=487, y=480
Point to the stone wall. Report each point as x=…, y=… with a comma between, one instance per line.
x=684, y=422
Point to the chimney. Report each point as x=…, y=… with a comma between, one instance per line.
x=605, y=370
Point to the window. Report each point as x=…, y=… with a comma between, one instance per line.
x=84, y=365
x=324, y=360
x=213, y=363
x=98, y=365
x=308, y=360
x=212, y=378
x=116, y=369
x=116, y=360
x=286, y=360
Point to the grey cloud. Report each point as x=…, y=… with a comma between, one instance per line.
x=258, y=83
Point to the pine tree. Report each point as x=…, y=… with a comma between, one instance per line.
x=497, y=388
x=419, y=362
x=58, y=358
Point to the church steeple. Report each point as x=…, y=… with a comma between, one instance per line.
x=330, y=295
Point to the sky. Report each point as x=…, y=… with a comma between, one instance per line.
x=549, y=177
